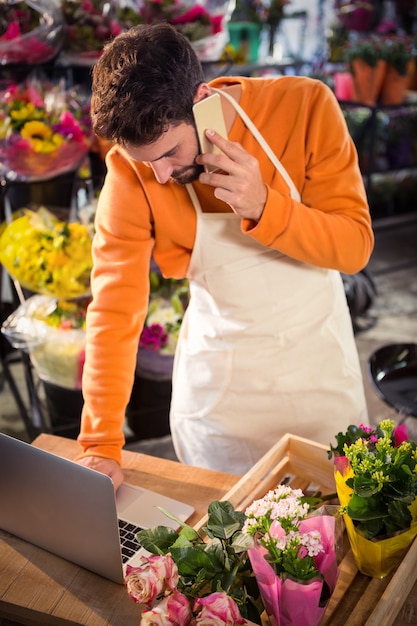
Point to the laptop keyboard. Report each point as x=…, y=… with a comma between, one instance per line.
x=130, y=545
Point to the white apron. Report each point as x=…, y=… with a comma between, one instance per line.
x=266, y=347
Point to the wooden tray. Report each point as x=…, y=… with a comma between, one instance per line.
x=357, y=599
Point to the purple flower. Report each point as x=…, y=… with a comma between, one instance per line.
x=153, y=338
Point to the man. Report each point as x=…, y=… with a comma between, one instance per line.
x=266, y=346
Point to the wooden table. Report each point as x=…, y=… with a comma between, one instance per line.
x=38, y=588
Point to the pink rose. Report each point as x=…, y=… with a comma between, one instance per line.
x=173, y=610
x=218, y=609
x=155, y=576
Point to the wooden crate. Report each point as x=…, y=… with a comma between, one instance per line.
x=357, y=599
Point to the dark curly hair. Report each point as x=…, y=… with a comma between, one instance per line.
x=144, y=81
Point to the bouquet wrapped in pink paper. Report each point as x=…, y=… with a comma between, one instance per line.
x=294, y=558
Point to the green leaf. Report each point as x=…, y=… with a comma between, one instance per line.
x=365, y=487
x=406, y=470
x=372, y=528
x=158, y=539
x=242, y=542
x=363, y=509
x=400, y=514
x=223, y=520
x=190, y=560
x=189, y=533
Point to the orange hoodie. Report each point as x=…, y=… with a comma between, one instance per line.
x=331, y=227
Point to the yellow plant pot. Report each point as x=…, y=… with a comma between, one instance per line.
x=376, y=559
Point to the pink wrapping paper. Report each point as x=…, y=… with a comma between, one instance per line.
x=289, y=603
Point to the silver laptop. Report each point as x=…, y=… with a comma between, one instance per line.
x=72, y=511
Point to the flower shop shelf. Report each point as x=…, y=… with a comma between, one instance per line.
x=357, y=600
x=386, y=140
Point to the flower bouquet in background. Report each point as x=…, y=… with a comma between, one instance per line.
x=167, y=303
x=376, y=481
x=52, y=331
x=91, y=23
x=197, y=577
x=294, y=557
x=45, y=130
x=47, y=255
x=31, y=31
x=203, y=22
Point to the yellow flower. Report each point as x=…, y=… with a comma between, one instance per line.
x=47, y=255
x=41, y=137
x=27, y=112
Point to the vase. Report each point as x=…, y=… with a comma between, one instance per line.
x=375, y=558
x=367, y=81
x=394, y=87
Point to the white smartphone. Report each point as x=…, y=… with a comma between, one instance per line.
x=208, y=113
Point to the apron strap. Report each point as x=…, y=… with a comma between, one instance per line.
x=194, y=198
x=262, y=142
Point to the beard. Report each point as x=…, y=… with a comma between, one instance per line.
x=188, y=174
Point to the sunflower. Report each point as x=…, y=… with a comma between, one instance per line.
x=41, y=137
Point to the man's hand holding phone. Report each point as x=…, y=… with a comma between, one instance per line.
x=236, y=176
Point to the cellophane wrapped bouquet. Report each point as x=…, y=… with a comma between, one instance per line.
x=31, y=31
x=376, y=481
x=52, y=331
x=52, y=259
x=274, y=564
x=45, y=130
x=89, y=24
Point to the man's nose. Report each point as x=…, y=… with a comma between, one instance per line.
x=162, y=170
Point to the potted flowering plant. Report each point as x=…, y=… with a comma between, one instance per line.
x=367, y=65
x=241, y=566
x=398, y=53
x=376, y=480
x=293, y=558
x=45, y=131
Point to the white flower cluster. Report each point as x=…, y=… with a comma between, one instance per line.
x=308, y=543
x=283, y=504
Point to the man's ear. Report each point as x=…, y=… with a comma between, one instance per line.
x=203, y=91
